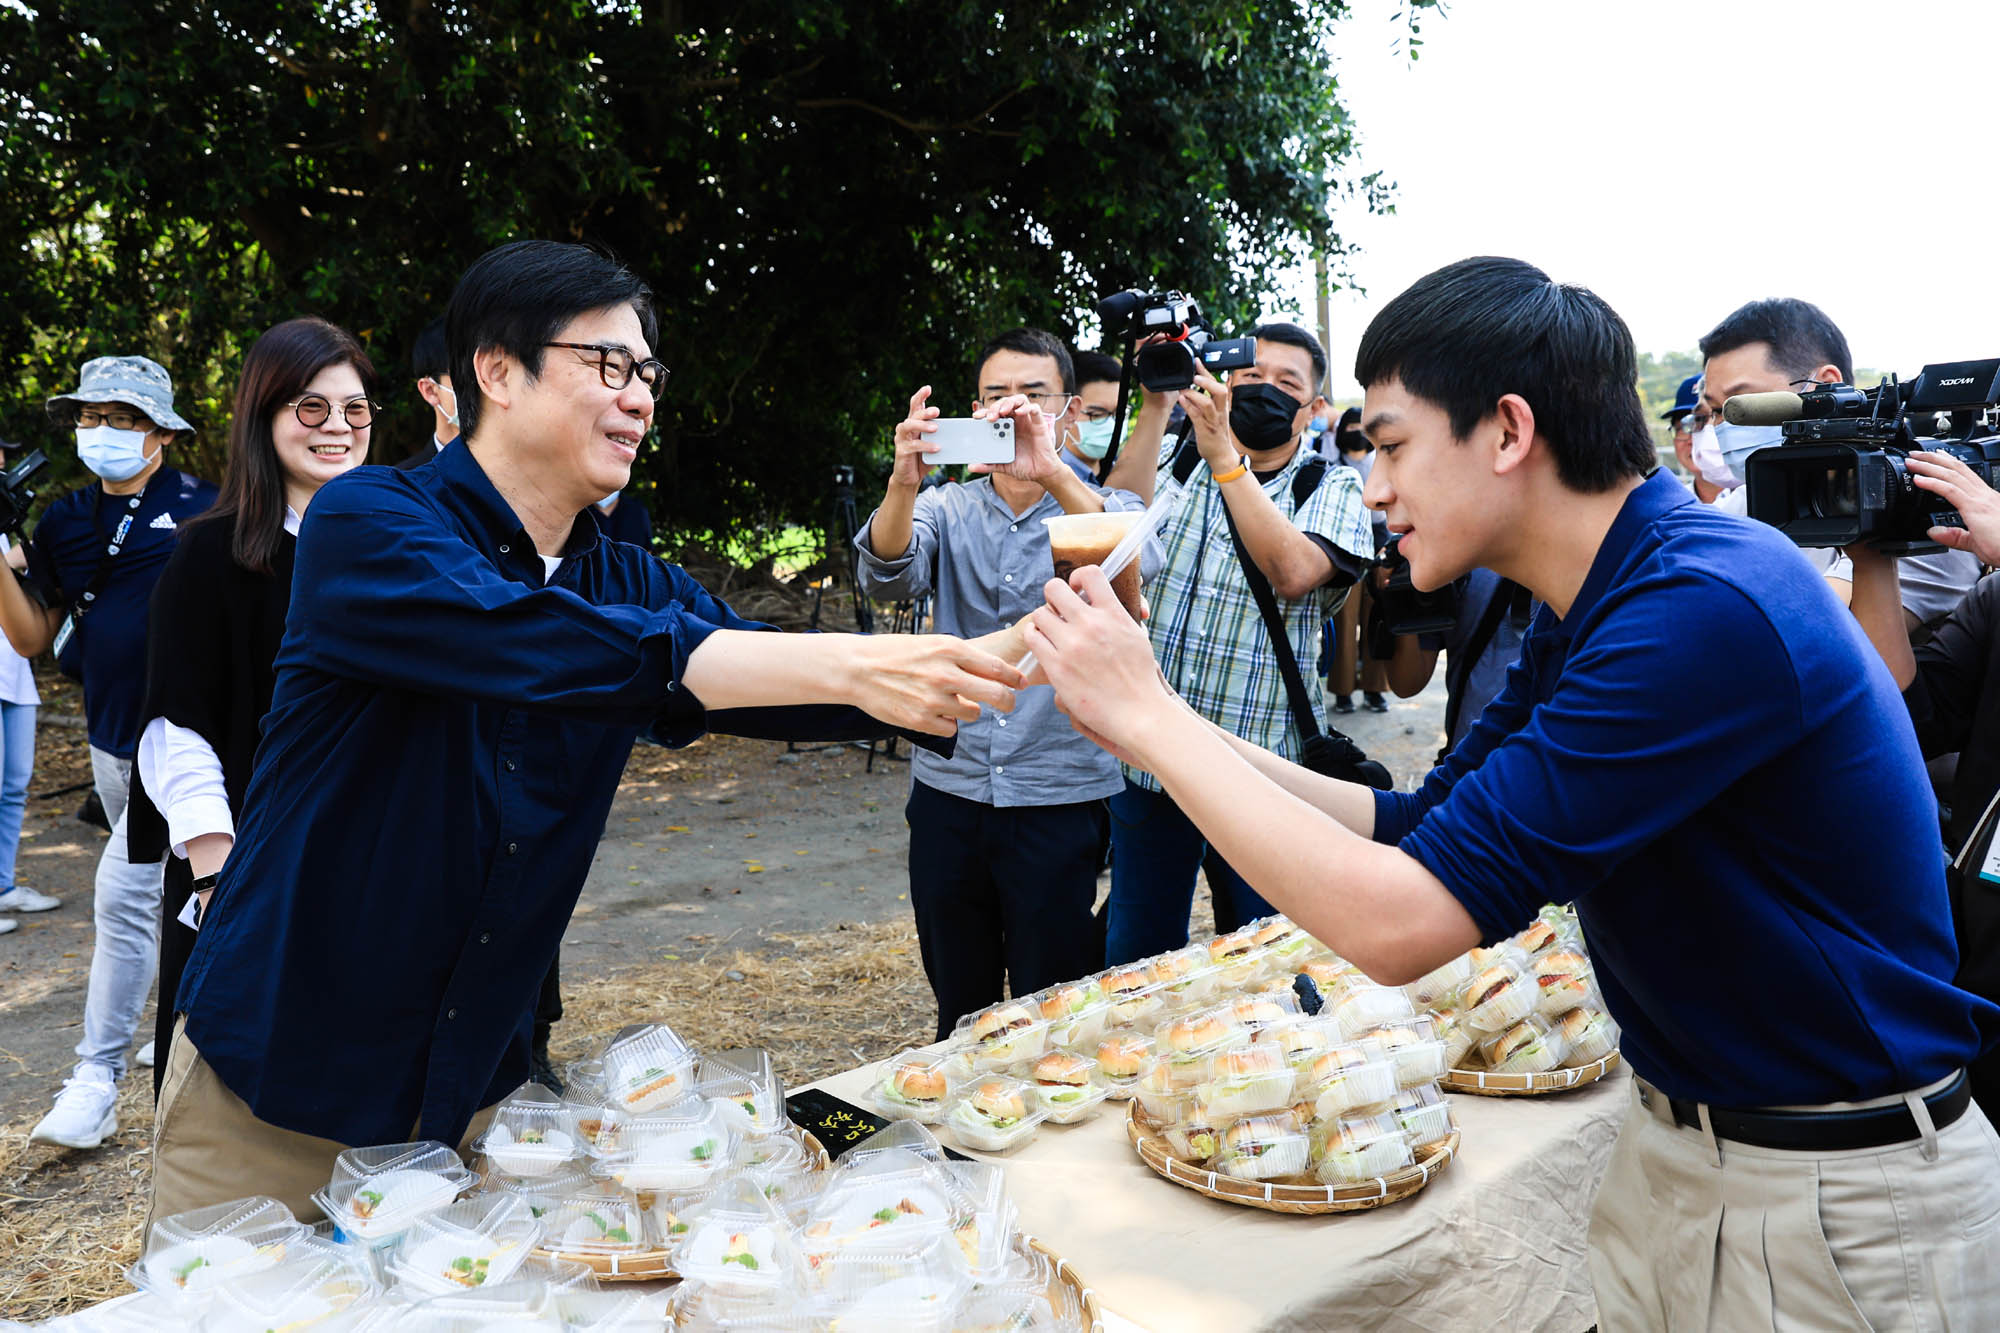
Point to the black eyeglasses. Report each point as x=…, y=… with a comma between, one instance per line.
x=89, y=418
x=313, y=410
x=616, y=367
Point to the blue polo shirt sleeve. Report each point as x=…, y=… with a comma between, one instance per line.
x=1626, y=748
x=383, y=584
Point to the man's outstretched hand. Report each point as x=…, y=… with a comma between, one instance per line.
x=927, y=682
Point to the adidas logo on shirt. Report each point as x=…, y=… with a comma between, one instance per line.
x=162, y=521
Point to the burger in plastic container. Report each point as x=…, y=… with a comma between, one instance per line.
x=1065, y=1086
x=1135, y=998
x=1001, y=1035
x=1416, y=1051
x=1122, y=1060
x=1287, y=945
x=1238, y=960
x=1562, y=977
x=1366, y=1007
x=1075, y=1012
x=1360, y=1149
x=1590, y=1035
x=1496, y=997
x=1188, y=974
x=994, y=1114
x=913, y=1086
x=1245, y=1081
x=1423, y=1115
x=1350, y=1079
x=1441, y=984
x=1531, y=1046
x=1456, y=1034
x=1263, y=1147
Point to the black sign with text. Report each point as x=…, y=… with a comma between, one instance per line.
x=837, y=1124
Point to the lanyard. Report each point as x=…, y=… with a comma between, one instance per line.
x=112, y=546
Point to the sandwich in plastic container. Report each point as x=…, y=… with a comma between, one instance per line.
x=475, y=1242
x=1424, y=1116
x=1441, y=984
x=1363, y=1148
x=508, y=1305
x=983, y=1220
x=1122, y=1061
x=378, y=1193
x=675, y=1152
x=1530, y=1046
x=1416, y=1050
x=533, y=1134
x=1590, y=1035
x=188, y=1254
x=1367, y=1007
x=738, y=1243
x=601, y=1223
x=1075, y=1012
x=647, y=1069
x=1349, y=1079
x=1264, y=1147
x=1188, y=974
x=746, y=1082
x=915, y=1085
x=1563, y=980
x=1133, y=999
x=1246, y=1081
x=1496, y=997
x=316, y=1282
x=1066, y=1086
x=994, y=1114
x=1001, y=1035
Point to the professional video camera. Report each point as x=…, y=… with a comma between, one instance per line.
x=1166, y=366
x=16, y=496
x=1839, y=476
x=1405, y=610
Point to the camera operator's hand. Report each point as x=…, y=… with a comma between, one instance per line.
x=1976, y=502
x=1035, y=457
x=1207, y=406
x=913, y=442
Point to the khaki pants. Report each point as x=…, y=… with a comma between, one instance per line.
x=208, y=1147
x=1691, y=1232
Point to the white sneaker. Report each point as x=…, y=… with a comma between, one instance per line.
x=144, y=1059
x=8, y=925
x=21, y=898
x=85, y=1113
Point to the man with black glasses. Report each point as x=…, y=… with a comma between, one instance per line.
x=92, y=564
x=466, y=665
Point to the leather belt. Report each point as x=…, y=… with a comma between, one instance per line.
x=1828, y=1131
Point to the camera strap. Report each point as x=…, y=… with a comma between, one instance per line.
x=114, y=542
x=1458, y=670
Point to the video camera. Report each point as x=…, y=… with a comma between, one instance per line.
x=1166, y=366
x=1839, y=476
x=16, y=496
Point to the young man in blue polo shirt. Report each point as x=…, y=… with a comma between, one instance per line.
x=1758, y=876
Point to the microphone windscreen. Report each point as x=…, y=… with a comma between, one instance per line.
x=1763, y=409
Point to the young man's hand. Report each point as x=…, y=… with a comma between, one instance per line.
x=1035, y=457
x=1100, y=661
x=913, y=442
x=1207, y=406
x=1976, y=502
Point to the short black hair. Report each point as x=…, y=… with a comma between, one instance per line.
x=1097, y=368
x=1348, y=417
x=1279, y=332
x=1028, y=342
x=428, y=360
x=518, y=296
x=1474, y=331
x=1800, y=337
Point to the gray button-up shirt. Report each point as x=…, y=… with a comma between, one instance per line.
x=985, y=566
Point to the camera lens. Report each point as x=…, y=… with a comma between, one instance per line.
x=1834, y=493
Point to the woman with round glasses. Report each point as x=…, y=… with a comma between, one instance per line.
x=303, y=415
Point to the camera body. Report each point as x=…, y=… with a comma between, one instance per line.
x=17, y=496
x=1840, y=477
x=1168, y=366
x=1405, y=609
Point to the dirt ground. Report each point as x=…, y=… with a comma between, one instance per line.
x=735, y=880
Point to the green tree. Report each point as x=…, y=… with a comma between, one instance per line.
x=834, y=202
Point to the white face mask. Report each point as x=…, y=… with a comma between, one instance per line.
x=113, y=454
x=609, y=500
x=451, y=416
x=1737, y=443
x=1708, y=460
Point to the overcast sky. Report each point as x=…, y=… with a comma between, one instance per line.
x=1683, y=158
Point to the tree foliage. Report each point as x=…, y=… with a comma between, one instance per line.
x=834, y=201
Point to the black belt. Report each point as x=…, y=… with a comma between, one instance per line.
x=1828, y=1131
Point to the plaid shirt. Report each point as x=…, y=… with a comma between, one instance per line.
x=1206, y=632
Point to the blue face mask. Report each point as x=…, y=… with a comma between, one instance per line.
x=1093, y=438
x=609, y=500
x=1737, y=443
x=1318, y=424
x=113, y=454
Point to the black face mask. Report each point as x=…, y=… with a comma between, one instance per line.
x=1261, y=416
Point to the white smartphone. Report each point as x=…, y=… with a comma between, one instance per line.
x=970, y=440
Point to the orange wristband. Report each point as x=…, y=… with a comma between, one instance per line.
x=1242, y=466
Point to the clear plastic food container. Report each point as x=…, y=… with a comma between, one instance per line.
x=505, y=1305
x=1497, y=997
x=1264, y=1147
x=533, y=1134
x=1011, y=1310
x=747, y=1083
x=1134, y=999
x=598, y=1311
x=915, y=1085
x=1184, y=1041
x=913, y=1145
x=1246, y=1081
x=1530, y=1046
x=1348, y=1079
x=379, y=1192
x=1190, y=1135
x=317, y=1281
x=1359, y=1149
x=1457, y=1036
x=541, y=1193
x=1066, y=1086
x=1441, y=984
x=1188, y=974
x=1075, y=1011
x=1367, y=1007
x=1286, y=943
x=1590, y=1035
x=599, y=1223
x=189, y=1253
x=1165, y=1083
x=680, y=1152
x=1416, y=1050
x=647, y=1070
x=737, y=1242
x=472, y=1243
x=994, y=1114
x=1256, y=1012
x=983, y=1220
x=911, y=1290
x=1564, y=982
x=1001, y=1035
x=1302, y=1040
x=880, y=1204
x=1424, y=1116
x=1122, y=1061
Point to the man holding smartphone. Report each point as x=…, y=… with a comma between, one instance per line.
x=1006, y=837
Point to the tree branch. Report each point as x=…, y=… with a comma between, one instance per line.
x=970, y=126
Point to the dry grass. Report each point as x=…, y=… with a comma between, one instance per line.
x=69, y=1221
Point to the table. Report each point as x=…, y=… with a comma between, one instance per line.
x=1497, y=1240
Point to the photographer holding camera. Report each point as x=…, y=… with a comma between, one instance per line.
x=1258, y=516
x=1007, y=835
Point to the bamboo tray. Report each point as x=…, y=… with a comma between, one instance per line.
x=1278, y=1196
x=1065, y=1276
x=1486, y=1083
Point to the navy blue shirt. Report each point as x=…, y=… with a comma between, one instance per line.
x=63, y=556
x=1756, y=867
x=444, y=741
x=629, y=522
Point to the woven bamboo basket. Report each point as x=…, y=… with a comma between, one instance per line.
x=656, y=1265
x=1486, y=1083
x=1066, y=1276
x=1277, y=1196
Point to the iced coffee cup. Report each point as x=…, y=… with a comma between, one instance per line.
x=1076, y=540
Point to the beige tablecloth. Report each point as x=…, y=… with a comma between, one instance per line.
x=1496, y=1241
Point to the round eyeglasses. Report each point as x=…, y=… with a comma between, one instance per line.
x=616, y=366
x=313, y=410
